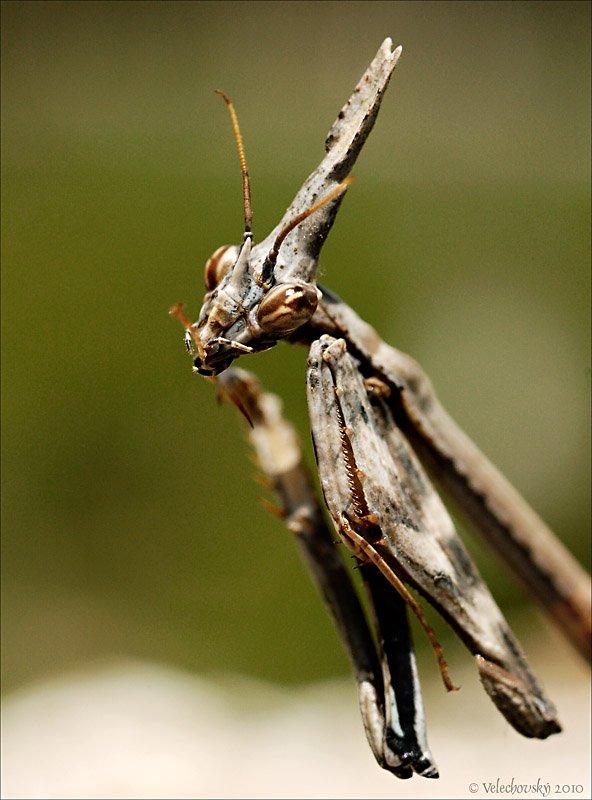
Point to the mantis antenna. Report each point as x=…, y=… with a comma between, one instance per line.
x=248, y=212
x=337, y=191
x=269, y=263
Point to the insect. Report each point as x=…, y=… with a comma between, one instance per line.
x=378, y=429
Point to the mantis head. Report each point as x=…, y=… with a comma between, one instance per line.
x=258, y=294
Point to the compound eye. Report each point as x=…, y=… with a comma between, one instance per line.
x=219, y=263
x=286, y=307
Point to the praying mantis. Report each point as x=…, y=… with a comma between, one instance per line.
x=378, y=430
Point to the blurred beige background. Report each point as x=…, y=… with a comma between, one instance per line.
x=131, y=528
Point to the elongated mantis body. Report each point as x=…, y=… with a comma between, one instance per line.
x=377, y=426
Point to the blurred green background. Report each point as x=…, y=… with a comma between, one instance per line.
x=131, y=524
